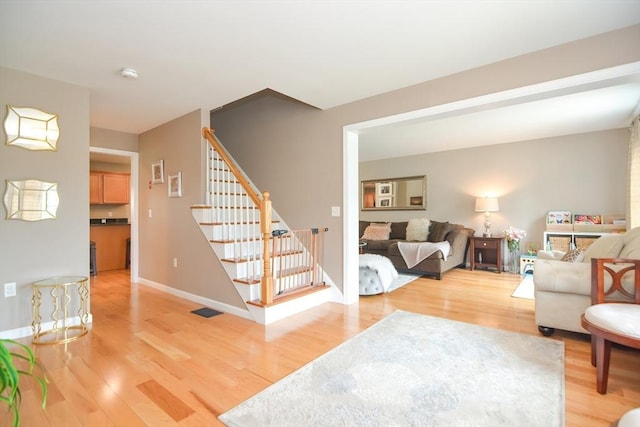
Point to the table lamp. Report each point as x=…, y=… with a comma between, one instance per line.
x=487, y=205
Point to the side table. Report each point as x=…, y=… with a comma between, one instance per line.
x=486, y=252
x=61, y=291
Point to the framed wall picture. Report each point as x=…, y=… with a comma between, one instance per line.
x=157, y=172
x=385, y=202
x=175, y=185
x=383, y=189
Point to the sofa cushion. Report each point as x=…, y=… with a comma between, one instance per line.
x=631, y=244
x=632, y=235
x=378, y=246
x=398, y=230
x=377, y=231
x=394, y=251
x=418, y=229
x=604, y=247
x=438, y=231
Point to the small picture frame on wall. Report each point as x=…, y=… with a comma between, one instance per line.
x=175, y=185
x=157, y=172
x=385, y=202
x=383, y=189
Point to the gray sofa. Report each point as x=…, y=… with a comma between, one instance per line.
x=435, y=265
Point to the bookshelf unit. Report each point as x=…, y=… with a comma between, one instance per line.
x=566, y=240
x=576, y=233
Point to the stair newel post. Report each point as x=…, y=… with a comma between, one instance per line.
x=265, y=228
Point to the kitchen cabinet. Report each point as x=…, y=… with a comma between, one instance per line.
x=111, y=245
x=108, y=188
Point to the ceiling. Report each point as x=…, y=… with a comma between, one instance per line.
x=610, y=106
x=206, y=54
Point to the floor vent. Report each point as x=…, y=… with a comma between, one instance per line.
x=206, y=312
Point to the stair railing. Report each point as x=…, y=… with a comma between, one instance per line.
x=228, y=201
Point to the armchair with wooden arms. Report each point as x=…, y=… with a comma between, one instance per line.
x=615, y=313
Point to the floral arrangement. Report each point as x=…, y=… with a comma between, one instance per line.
x=513, y=236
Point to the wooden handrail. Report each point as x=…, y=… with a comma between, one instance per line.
x=207, y=133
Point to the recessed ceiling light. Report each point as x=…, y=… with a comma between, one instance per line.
x=129, y=73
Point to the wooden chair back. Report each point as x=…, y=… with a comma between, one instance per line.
x=613, y=270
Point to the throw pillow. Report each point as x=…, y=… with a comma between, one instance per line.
x=438, y=231
x=574, y=255
x=418, y=229
x=377, y=231
x=398, y=231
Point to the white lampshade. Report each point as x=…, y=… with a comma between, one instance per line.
x=487, y=204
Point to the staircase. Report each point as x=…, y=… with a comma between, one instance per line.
x=276, y=271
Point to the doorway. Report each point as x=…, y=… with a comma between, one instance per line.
x=108, y=155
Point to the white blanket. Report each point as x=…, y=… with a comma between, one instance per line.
x=414, y=252
x=382, y=265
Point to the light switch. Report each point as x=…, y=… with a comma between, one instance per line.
x=335, y=211
x=150, y=214
x=10, y=289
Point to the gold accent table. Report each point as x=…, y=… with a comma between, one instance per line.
x=60, y=289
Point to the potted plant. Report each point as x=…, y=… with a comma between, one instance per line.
x=13, y=364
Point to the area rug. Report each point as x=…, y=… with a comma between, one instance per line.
x=415, y=370
x=402, y=280
x=525, y=288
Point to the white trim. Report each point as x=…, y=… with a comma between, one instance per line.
x=27, y=331
x=133, y=201
x=268, y=315
x=581, y=82
x=351, y=204
x=216, y=305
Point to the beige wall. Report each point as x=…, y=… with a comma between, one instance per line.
x=106, y=138
x=582, y=173
x=31, y=251
x=171, y=232
x=296, y=152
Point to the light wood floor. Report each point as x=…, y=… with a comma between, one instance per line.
x=148, y=361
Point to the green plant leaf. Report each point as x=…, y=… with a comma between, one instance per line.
x=10, y=375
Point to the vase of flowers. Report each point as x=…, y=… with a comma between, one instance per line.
x=513, y=236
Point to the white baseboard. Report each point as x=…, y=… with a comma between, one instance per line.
x=216, y=305
x=27, y=331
